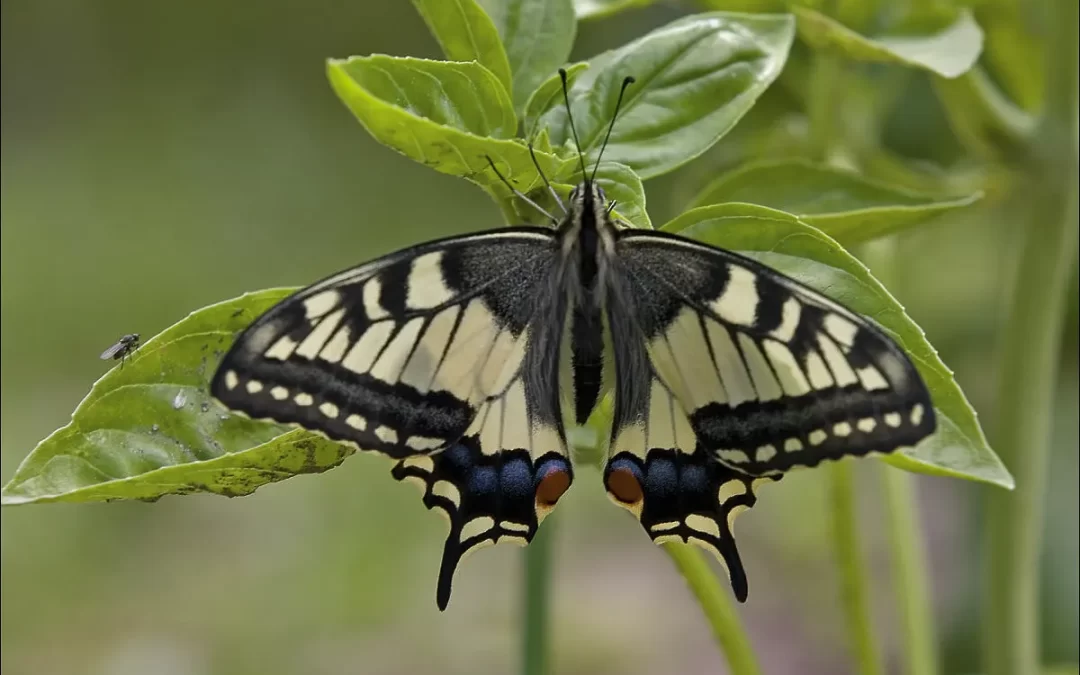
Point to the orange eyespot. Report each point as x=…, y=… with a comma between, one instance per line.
x=624, y=486
x=551, y=487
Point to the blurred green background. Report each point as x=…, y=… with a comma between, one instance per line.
x=158, y=157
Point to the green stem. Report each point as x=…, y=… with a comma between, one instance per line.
x=854, y=579
x=1030, y=350
x=716, y=604
x=910, y=580
x=823, y=104
x=909, y=573
x=535, y=626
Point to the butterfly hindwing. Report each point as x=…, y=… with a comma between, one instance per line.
x=443, y=357
x=771, y=374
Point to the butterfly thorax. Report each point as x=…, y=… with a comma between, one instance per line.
x=587, y=238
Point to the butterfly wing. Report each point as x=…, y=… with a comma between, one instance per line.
x=754, y=373
x=443, y=357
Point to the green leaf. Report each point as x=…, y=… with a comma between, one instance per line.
x=781, y=241
x=449, y=116
x=844, y=205
x=983, y=117
x=696, y=78
x=466, y=33
x=598, y=9
x=537, y=36
x=619, y=182
x=947, y=45
x=150, y=428
x=548, y=96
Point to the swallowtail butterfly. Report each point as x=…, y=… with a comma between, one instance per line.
x=467, y=359
x=124, y=347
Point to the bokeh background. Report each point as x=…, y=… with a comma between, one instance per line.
x=158, y=157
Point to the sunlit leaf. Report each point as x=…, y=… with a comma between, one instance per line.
x=537, y=37
x=150, y=428
x=449, y=116
x=696, y=78
x=781, y=241
x=947, y=45
x=848, y=207
x=466, y=33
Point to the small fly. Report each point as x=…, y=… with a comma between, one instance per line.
x=123, y=348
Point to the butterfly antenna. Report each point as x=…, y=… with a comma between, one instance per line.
x=618, y=104
x=551, y=190
x=519, y=194
x=570, y=116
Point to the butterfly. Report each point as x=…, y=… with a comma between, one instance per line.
x=466, y=360
x=124, y=347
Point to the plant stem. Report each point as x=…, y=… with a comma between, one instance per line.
x=909, y=572
x=535, y=626
x=1032, y=336
x=902, y=510
x=854, y=580
x=716, y=604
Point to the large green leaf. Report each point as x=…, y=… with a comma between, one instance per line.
x=150, y=428
x=696, y=78
x=548, y=95
x=948, y=44
x=537, y=36
x=780, y=240
x=848, y=207
x=449, y=116
x=619, y=182
x=466, y=33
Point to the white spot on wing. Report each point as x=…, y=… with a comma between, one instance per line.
x=372, y=307
x=318, y=337
x=917, y=414
x=733, y=375
x=393, y=358
x=254, y=386
x=476, y=527
x=362, y=355
x=765, y=453
x=421, y=367
x=787, y=369
x=423, y=462
x=817, y=437
x=282, y=349
x=279, y=393
x=231, y=380
x=818, y=372
x=427, y=288
x=735, y=456
x=765, y=383
x=303, y=399
x=703, y=524
x=789, y=320
x=423, y=443
x=893, y=419
x=356, y=422
x=732, y=488
x=842, y=330
x=866, y=424
x=841, y=369
x=841, y=429
x=335, y=349
x=320, y=303
x=739, y=300
x=448, y=491
x=386, y=434
x=329, y=409
x=871, y=378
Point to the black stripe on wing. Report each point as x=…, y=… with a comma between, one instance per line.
x=772, y=374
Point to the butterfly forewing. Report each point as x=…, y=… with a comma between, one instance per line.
x=444, y=357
